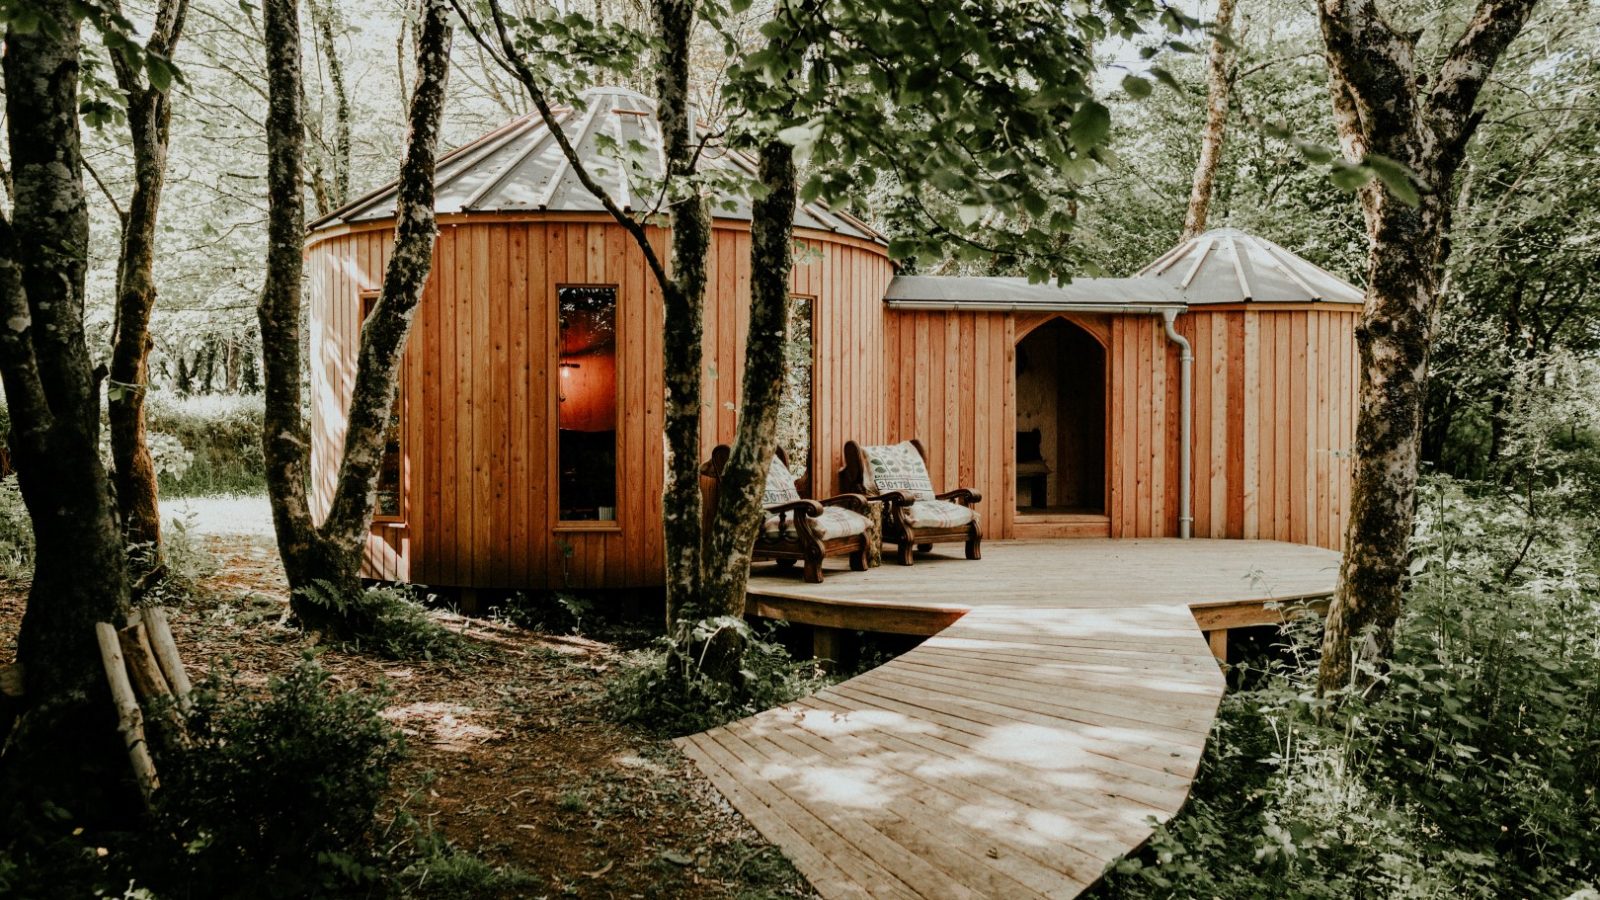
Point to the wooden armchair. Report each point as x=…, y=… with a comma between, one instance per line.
x=799, y=530
x=915, y=515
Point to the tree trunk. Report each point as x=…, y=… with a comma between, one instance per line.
x=329, y=555
x=738, y=514
x=1380, y=110
x=1219, y=85
x=683, y=298
x=338, y=191
x=149, y=121
x=63, y=746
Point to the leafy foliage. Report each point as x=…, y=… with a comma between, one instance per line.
x=16, y=531
x=394, y=624
x=276, y=795
x=665, y=690
x=1473, y=768
x=206, y=444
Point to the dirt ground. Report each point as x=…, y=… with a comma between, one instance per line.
x=510, y=757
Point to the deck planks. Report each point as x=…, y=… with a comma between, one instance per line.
x=1019, y=750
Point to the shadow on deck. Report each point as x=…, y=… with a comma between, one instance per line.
x=1020, y=749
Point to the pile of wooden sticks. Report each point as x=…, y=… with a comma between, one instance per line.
x=142, y=662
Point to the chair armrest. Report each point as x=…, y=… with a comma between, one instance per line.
x=891, y=498
x=853, y=502
x=810, y=507
x=964, y=496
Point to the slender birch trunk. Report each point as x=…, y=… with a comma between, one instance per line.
x=1219, y=86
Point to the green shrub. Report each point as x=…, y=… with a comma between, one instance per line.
x=1471, y=770
x=276, y=795
x=206, y=445
x=16, y=532
x=392, y=623
x=665, y=690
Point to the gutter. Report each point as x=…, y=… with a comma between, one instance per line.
x=1185, y=413
x=1036, y=306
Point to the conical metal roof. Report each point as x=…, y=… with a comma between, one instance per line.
x=1226, y=265
x=520, y=168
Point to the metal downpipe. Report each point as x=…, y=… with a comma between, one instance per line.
x=1185, y=431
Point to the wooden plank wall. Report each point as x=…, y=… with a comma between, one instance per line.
x=1273, y=415
x=480, y=429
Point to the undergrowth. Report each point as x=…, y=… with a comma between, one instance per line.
x=206, y=445
x=1471, y=769
x=394, y=623
x=665, y=689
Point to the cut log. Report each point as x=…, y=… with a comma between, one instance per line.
x=166, y=649
x=145, y=672
x=129, y=720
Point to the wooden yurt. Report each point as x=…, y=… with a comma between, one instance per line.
x=1064, y=406
x=527, y=450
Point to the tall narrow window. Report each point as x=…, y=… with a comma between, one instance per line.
x=390, y=505
x=587, y=403
x=794, y=408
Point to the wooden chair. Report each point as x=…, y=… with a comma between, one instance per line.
x=915, y=516
x=796, y=529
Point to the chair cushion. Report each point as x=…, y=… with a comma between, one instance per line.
x=939, y=514
x=897, y=467
x=835, y=522
x=780, y=485
x=838, y=522
x=1038, y=467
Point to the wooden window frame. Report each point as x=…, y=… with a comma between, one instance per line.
x=369, y=299
x=554, y=463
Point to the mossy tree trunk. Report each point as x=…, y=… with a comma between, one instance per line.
x=330, y=553
x=149, y=112
x=1385, y=107
x=60, y=741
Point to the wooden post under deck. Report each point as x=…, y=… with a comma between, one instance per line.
x=1219, y=644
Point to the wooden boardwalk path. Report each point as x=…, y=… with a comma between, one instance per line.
x=1022, y=748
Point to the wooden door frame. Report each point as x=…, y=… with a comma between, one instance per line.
x=1098, y=327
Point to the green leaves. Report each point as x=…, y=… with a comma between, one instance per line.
x=1136, y=87
x=1397, y=178
x=1090, y=126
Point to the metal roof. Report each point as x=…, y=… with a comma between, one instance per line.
x=520, y=168
x=1226, y=265
x=1083, y=294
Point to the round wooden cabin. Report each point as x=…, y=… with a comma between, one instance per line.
x=1063, y=405
x=527, y=451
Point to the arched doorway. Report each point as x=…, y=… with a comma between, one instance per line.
x=1061, y=422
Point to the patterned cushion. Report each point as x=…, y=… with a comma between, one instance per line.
x=780, y=485
x=838, y=522
x=939, y=514
x=897, y=467
x=835, y=522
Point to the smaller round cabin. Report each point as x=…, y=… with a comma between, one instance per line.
x=527, y=448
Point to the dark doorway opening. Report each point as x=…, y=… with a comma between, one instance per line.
x=1061, y=421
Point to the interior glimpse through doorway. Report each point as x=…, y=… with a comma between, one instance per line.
x=1061, y=421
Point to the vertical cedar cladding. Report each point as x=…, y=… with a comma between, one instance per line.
x=482, y=433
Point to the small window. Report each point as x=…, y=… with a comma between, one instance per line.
x=586, y=395
x=794, y=407
x=390, y=505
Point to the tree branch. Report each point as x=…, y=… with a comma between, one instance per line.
x=512, y=61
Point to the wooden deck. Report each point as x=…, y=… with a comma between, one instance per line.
x=1062, y=705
